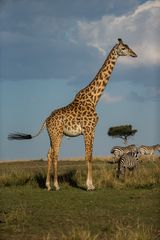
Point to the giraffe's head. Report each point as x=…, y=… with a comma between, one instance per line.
x=123, y=49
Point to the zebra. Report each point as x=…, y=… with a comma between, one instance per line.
x=118, y=151
x=149, y=150
x=128, y=161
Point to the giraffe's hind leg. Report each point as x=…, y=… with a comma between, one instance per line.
x=48, y=181
x=52, y=157
x=55, y=139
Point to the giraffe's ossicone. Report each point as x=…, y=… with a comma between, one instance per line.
x=79, y=117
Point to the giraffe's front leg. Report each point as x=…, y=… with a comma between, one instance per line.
x=89, y=137
x=89, y=184
x=56, y=185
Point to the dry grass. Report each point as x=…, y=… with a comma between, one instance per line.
x=23, y=181
x=79, y=234
x=121, y=230
x=74, y=173
x=117, y=230
x=18, y=218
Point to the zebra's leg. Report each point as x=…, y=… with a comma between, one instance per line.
x=123, y=172
x=118, y=170
x=153, y=157
x=113, y=159
x=132, y=171
x=117, y=173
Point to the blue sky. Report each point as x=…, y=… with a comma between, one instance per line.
x=52, y=49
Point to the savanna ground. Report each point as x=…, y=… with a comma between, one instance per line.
x=119, y=209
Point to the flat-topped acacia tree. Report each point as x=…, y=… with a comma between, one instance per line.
x=123, y=131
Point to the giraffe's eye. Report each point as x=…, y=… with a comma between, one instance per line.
x=123, y=48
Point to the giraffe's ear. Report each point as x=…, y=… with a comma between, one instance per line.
x=120, y=40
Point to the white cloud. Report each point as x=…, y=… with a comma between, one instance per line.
x=111, y=99
x=139, y=28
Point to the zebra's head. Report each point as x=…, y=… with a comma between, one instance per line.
x=136, y=152
x=158, y=147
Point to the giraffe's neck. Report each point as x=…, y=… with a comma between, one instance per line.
x=92, y=93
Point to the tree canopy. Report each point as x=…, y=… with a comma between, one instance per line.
x=123, y=132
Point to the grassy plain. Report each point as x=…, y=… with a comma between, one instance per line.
x=127, y=209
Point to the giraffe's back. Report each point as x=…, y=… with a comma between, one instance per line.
x=72, y=118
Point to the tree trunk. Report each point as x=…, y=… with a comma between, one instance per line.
x=125, y=141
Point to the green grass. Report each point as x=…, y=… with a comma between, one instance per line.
x=118, y=209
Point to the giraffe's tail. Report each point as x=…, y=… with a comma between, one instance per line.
x=24, y=136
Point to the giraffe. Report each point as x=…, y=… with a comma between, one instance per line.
x=79, y=117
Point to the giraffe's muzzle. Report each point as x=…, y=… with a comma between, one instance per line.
x=133, y=54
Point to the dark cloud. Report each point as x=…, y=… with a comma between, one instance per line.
x=133, y=96
x=146, y=76
x=42, y=59
x=36, y=39
x=91, y=9
x=152, y=95
x=35, y=42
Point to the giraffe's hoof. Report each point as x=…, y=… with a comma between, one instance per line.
x=48, y=186
x=56, y=187
x=90, y=188
x=49, y=189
